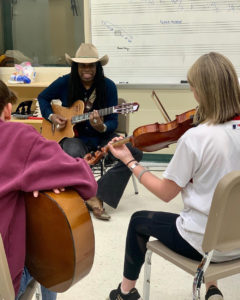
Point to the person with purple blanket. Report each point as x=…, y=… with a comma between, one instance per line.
x=30, y=163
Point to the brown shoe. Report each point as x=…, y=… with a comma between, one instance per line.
x=96, y=206
x=100, y=214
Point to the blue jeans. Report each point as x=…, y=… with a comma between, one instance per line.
x=26, y=279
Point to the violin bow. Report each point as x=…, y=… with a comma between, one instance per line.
x=162, y=110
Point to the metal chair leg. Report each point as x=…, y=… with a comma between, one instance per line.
x=38, y=292
x=33, y=291
x=147, y=275
x=199, y=276
x=135, y=184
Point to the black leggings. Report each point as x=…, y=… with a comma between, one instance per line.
x=160, y=225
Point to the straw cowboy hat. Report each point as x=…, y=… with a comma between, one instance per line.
x=87, y=54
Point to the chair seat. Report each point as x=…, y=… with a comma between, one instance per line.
x=215, y=271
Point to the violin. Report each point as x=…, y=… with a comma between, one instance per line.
x=152, y=137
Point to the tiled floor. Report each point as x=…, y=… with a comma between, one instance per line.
x=167, y=281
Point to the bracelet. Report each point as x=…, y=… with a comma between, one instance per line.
x=134, y=166
x=141, y=174
x=130, y=162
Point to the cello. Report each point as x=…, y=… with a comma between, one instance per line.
x=60, y=241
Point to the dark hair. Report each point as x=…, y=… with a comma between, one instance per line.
x=6, y=96
x=76, y=89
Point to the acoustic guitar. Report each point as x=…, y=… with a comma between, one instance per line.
x=74, y=115
x=60, y=239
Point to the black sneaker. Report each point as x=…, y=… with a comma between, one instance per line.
x=213, y=293
x=118, y=295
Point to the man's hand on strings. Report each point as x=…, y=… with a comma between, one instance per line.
x=58, y=121
x=96, y=121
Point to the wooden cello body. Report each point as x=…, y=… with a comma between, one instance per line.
x=60, y=239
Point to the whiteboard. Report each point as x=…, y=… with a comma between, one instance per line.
x=156, y=41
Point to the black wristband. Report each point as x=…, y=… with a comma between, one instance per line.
x=130, y=162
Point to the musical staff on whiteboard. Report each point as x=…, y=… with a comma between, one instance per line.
x=165, y=26
x=116, y=30
x=170, y=50
x=155, y=41
x=141, y=6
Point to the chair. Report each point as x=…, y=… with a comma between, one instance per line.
x=33, y=289
x=222, y=233
x=6, y=286
x=122, y=129
x=123, y=121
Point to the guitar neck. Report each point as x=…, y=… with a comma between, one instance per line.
x=86, y=116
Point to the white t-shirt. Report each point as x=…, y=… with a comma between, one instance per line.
x=204, y=154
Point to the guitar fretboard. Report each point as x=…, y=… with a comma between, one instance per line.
x=86, y=116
